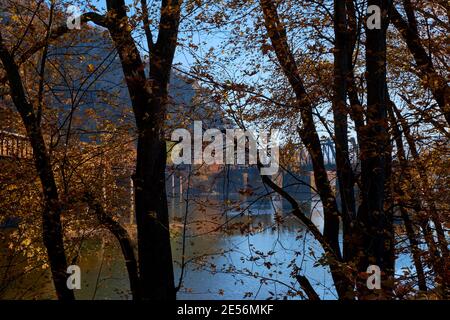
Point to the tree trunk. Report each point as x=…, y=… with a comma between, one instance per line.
x=343, y=166
x=155, y=256
x=51, y=215
x=149, y=100
x=409, y=227
x=375, y=222
x=121, y=234
x=310, y=139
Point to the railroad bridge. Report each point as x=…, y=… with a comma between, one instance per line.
x=329, y=155
x=13, y=145
x=16, y=146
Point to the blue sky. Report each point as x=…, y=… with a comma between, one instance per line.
x=182, y=56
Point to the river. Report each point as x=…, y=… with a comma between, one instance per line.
x=245, y=251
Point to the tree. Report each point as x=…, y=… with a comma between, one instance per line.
x=317, y=71
x=49, y=157
x=149, y=99
x=426, y=70
x=51, y=215
x=300, y=98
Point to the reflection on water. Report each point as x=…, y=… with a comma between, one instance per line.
x=232, y=252
x=253, y=257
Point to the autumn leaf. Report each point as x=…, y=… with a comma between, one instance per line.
x=90, y=68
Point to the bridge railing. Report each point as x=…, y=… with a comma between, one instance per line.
x=13, y=145
x=329, y=154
